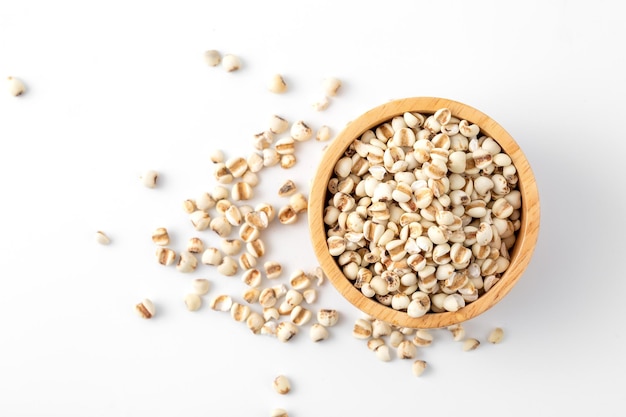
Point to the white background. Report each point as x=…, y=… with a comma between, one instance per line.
x=118, y=87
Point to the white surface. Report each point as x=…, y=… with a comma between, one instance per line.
x=119, y=87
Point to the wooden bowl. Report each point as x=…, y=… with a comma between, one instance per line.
x=520, y=253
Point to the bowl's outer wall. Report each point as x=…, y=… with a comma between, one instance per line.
x=526, y=238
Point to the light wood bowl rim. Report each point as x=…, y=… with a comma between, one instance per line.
x=520, y=255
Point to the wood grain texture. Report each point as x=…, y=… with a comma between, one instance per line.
x=521, y=253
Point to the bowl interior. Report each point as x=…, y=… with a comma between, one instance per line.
x=520, y=254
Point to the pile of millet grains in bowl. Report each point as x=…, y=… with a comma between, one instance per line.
x=422, y=212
